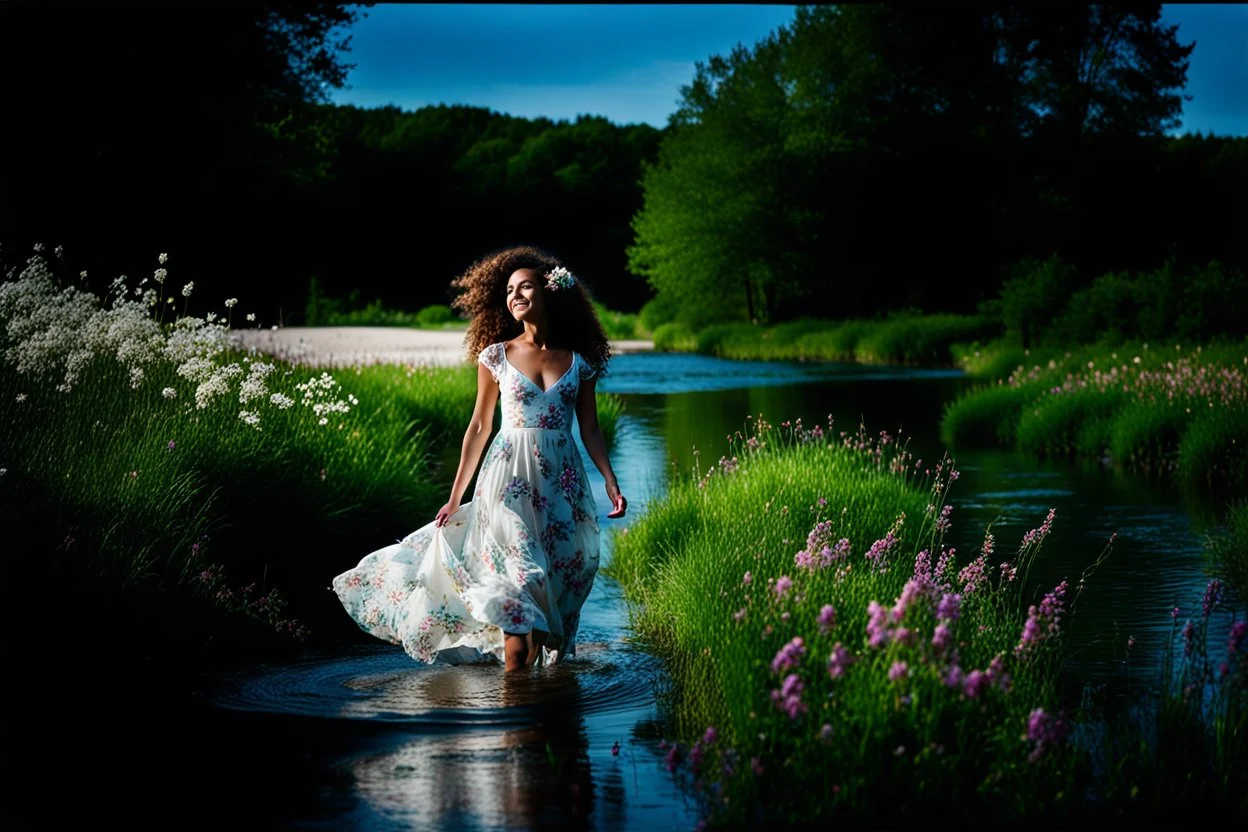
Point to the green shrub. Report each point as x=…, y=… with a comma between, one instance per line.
x=674, y=337
x=836, y=344
x=1146, y=436
x=920, y=340
x=435, y=316
x=1033, y=294
x=660, y=309
x=983, y=417
x=1055, y=424
x=1214, y=451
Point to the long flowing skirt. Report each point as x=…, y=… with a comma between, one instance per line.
x=520, y=557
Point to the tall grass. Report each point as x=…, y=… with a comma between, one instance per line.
x=1174, y=410
x=757, y=582
x=832, y=660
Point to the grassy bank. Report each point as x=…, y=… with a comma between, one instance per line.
x=186, y=494
x=915, y=339
x=1169, y=410
x=832, y=659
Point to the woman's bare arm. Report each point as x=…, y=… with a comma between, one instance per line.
x=475, y=437
x=595, y=443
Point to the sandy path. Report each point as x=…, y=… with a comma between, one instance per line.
x=344, y=346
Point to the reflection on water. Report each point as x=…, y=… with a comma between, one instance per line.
x=530, y=776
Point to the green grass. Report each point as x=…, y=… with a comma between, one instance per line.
x=987, y=416
x=926, y=339
x=683, y=565
x=284, y=507
x=1227, y=550
x=620, y=326
x=702, y=568
x=1175, y=410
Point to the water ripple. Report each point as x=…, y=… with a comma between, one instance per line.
x=383, y=684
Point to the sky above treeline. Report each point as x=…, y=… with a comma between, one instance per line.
x=628, y=62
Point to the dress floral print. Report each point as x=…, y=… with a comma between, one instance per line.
x=520, y=556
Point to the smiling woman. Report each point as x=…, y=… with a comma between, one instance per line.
x=505, y=575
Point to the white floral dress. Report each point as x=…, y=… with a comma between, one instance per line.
x=520, y=556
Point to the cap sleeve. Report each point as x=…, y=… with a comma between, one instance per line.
x=492, y=358
x=586, y=370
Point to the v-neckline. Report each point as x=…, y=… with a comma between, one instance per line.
x=534, y=383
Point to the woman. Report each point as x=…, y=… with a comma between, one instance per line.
x=506, y=574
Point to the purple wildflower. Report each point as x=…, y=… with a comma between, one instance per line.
x=839, y=661
x=1212, y=597
x=783, y=584
x=898, y=671
x=827, y=618
x=788, y=697
x=949, y=606
x=789, y=656
x=1236, y=637
x=975, y=681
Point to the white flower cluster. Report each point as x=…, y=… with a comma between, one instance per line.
x=57, y=332
x=51, y=332
x=320, y=395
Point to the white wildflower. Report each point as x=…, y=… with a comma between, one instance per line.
x=251, y=316
x=253, y=386
x=83, y=274
x=160, y=275
x=3, y=471
x=250, y=417
x=169, y=393
x=169, y=300
x=187, y=289
x=136, y=378
x=149, y=297
x=210, y=317
x=162, y=258
x=21, y=397
x=281, y=401
x=231, y=303
x=323, y=421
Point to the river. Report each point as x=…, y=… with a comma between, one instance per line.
x=362, y=737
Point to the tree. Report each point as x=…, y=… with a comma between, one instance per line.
x=165, y=128
x=869, y=146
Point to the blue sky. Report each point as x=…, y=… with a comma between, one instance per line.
x=628, y=62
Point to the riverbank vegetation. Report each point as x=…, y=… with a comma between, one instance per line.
x=193, y=498
x=824, y=641
x=326, y=311
x=1159, y=409
x=899, y=339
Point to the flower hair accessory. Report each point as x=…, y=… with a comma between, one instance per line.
x=559, y=278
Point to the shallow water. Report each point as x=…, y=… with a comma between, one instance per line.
x=381, y=742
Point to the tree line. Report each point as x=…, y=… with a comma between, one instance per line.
x=860, y=159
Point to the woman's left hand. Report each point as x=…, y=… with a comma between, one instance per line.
x=617, y=501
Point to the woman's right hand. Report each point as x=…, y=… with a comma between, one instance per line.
x=445, y=513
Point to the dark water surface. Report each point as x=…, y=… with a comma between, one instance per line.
x=366, y=738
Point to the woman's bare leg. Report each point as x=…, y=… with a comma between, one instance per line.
x=515, y=651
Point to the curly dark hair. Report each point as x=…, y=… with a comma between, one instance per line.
x=571, y=320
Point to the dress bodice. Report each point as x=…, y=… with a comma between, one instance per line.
x=525, y=405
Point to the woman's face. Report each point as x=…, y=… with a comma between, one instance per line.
x=524, y=296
